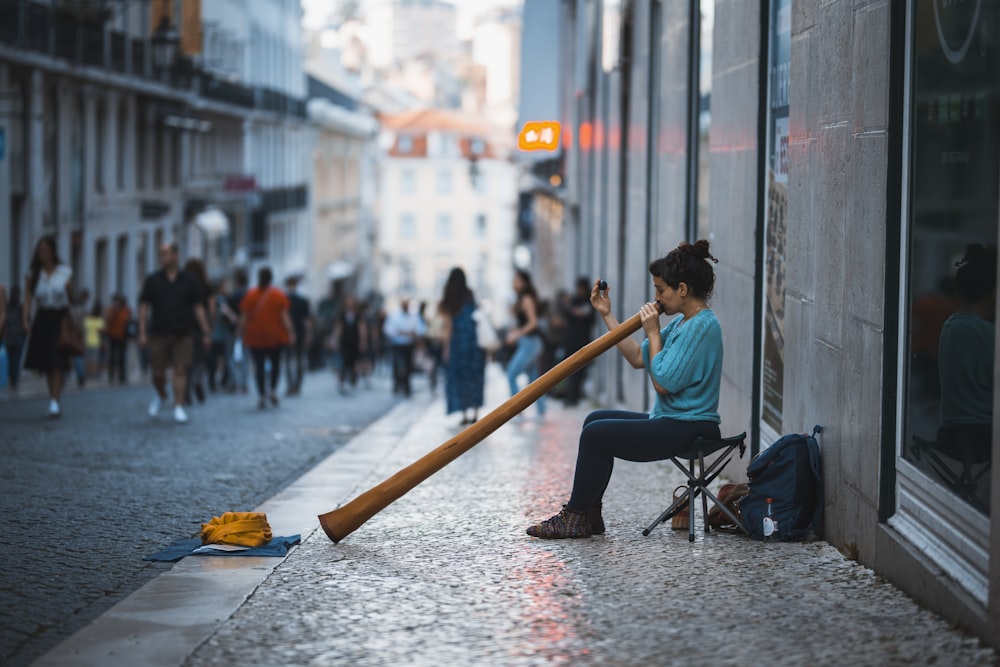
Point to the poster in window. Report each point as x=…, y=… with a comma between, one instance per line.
x=776, y=203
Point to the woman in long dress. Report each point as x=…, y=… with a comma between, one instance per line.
x=465, y=361
x=46, y=303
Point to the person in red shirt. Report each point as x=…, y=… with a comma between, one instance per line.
x=116, y=321
x=266, y=328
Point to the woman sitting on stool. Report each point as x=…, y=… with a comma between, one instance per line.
x=683, y=361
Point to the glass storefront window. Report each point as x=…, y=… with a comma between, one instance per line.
x=704, y=124
x=951, y=256
x=779, y=54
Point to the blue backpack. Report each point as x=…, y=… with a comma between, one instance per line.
x=788, y=472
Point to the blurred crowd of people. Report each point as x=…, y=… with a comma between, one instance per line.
x=216, y=336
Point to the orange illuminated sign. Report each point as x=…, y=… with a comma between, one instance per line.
x=539, y=136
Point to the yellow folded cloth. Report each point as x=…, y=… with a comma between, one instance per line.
x=245, y=529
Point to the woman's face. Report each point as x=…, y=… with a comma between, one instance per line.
x=667, y=296
x=44, y=252
x=518, y=283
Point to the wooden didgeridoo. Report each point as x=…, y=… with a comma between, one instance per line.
x=344, y=520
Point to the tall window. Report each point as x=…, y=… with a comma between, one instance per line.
x=142, y=139
x=772, y=389
x=704, y=124
x=951, y=279
x=407, y=226
x=442, y=227
x=444, y=182
x=407, y=274
x=99, y=144
x=121, y=164
x=481, y=226
x=407, y=181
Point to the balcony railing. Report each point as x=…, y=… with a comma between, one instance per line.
x=273, y=100
x=226, y=91
x=82, y=38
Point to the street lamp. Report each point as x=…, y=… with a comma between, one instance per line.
x=165, y=43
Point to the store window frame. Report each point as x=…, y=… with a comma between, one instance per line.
x=919, y=508
x=768, y=378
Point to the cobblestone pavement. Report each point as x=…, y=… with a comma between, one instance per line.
x=447, y=576
x=85, y=497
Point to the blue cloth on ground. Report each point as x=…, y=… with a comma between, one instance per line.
x=278, y=546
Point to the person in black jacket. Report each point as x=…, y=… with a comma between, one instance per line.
x=177, y=310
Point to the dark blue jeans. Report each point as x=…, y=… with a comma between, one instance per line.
x=14, y=351
x=629, y=436
x=261, y=355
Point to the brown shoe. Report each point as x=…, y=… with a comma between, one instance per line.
x=566, y=524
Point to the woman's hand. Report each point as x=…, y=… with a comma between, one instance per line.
x=600, y=302
x=649, y=315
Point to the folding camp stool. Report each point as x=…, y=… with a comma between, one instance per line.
x=697, y=485
x=965, y=483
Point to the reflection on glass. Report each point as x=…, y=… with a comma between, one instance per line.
x=960, y=453
x=955, y=188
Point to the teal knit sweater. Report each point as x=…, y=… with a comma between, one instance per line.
x=689, y=367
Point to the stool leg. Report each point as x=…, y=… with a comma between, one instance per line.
x=669, y=512
x=693, y=495
x=704, y=499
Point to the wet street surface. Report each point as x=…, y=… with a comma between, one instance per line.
x=83, y=498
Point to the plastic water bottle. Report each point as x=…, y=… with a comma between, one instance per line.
x=770, y=523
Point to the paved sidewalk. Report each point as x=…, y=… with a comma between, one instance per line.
x=447, y=576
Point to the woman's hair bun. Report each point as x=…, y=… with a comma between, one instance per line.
x=700, y=250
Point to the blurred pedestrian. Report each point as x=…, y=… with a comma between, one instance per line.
x=350, y=340
x=325, y=320
x=465, y=361
x=371, y=349
x=78, y=311
x=403, y=328
x=46, y=304
x=93, y=337
x=579, y=326
x=224, y=323
x=199, y=344
x=526, y=335
x=116, y=322
x=14, y=334
x=434, y=343
x=177, y=309
x=298, y=310
x=266, y=328
x=238, y=357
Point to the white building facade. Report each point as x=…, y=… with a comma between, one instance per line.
x=342, y=242
x=113, y=155
x=400, y=30
x=448, y=198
